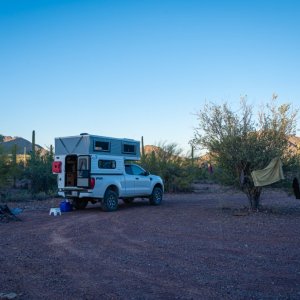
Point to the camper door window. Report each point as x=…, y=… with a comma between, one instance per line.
x=83, y=167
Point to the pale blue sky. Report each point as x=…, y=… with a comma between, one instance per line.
x=140, y=68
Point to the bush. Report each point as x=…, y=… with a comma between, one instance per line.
x=177, y=171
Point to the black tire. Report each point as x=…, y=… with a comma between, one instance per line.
x=128, y=200
x=156, y=196
x=79, y=203
x=110, y=201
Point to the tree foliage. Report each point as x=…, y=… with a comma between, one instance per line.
x=39, y=172
x=36, y=173
x=4, y=168
x=239, y=143
x=167, y=161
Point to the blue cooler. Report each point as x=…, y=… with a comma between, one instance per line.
x=65, y=206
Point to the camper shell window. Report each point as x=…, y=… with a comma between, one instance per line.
x=102, y=146
x=129, y=149
x=106, y=164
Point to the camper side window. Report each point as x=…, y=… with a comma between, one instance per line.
x=129, y=148
x=101, y=146
x=106, y=164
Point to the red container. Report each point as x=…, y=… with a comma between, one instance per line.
x=56, y=167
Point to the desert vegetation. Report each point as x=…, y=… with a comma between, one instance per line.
x=235, y=143
x=26, y=178
x=240, y=143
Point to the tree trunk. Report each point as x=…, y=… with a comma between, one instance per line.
x=246, y=183
x=253, y=193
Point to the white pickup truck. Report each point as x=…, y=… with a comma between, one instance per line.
x=101, y=169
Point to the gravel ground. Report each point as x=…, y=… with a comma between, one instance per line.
x=203, y=245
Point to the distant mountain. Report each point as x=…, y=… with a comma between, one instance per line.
x=8, y=138
x=294, y=144
x=150, y=148
x=23, y=146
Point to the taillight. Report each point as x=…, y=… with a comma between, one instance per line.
x=56, y=167
x=92, y=182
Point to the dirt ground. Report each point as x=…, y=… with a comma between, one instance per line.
x=202, y=245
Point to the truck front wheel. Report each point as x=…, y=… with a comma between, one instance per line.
x=156, y=196
x=110, y=201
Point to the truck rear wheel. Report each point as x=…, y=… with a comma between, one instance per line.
x=156, y=196
x=79, y=203
x=110, y=201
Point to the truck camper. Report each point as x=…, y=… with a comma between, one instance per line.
x=101, y=169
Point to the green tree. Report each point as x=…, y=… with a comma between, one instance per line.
x=4, y=168
x=15, y=168
x=39, y=169
x=167, y=161
x=39, y=172
x=240, y=144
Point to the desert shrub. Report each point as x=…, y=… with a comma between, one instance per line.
x=167, y=161
x=4, y=169
x=40, y=173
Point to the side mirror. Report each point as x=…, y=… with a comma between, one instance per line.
x=146, y=173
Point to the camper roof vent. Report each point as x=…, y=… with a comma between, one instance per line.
x=84, y=133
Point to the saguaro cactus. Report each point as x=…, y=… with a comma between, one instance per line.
x=192, y=154
x=143, y=148
x=33, y=145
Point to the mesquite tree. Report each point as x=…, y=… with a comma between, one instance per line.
x=240, y=143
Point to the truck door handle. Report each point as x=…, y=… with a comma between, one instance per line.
x=136, y=178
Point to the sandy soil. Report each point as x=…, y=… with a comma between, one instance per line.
x=194, y=246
